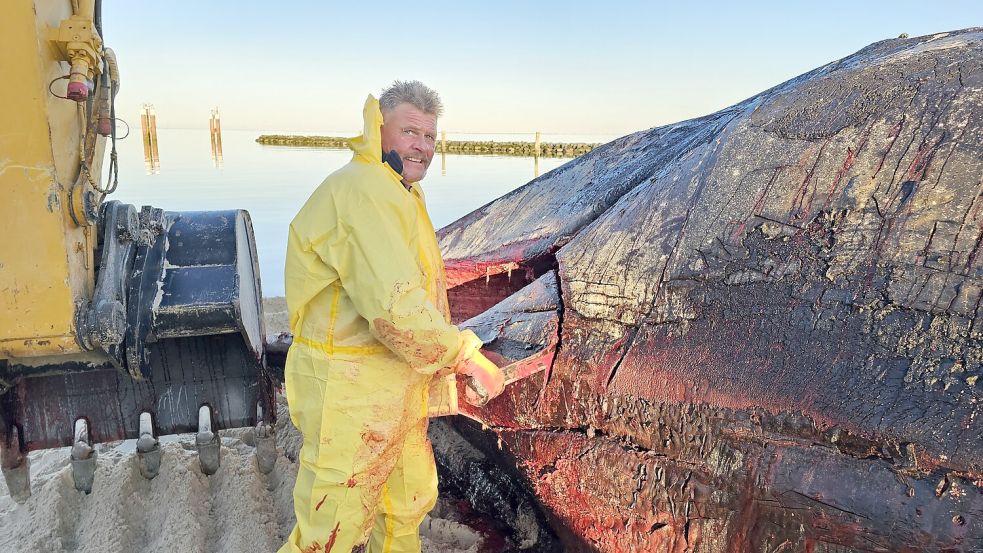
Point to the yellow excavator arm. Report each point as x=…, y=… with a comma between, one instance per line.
x=46, y=257
x=115, y=322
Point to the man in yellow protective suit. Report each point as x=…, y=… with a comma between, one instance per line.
x=374, y=353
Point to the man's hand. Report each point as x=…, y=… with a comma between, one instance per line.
x=485, y=380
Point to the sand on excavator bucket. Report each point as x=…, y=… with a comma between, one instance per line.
x=175, y=324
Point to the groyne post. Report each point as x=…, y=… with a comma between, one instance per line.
x=215, y=131
x=148, y=126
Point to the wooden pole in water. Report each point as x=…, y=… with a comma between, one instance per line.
x=154, y=154
x=443, y=142
x=218, y=139
x=536, y=150
x=215, y=130
x=145, y=134
x=211, y=134
x=218, y=130
x=148, y=127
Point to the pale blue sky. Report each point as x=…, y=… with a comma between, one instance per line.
x=509, y=66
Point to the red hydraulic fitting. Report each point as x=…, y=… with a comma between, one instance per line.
x=105, y=125
x=78, y=91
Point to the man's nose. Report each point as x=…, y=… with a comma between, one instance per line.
x=424, y=144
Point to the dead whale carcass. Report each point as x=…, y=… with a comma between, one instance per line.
x=766, y=320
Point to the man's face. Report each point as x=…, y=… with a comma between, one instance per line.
x=412, y=134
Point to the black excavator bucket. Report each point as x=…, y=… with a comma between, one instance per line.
x=175, y=325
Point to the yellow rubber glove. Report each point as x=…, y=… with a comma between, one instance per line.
x=485, y=380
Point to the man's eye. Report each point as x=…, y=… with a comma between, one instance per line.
x=409, y=131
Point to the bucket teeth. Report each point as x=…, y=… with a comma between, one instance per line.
x=16, y=467
x=265, y=442
x=148, y=448
x=265, y=448
x=208, y=443
x=83, y=458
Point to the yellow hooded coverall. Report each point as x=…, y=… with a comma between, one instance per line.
x=366, y=292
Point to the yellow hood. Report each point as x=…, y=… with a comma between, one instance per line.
x=369, y=144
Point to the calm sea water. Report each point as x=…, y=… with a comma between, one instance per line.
x=273, y=182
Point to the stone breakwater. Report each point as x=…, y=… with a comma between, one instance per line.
x=468, y=147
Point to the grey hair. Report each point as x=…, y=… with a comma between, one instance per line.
x=414, y=93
